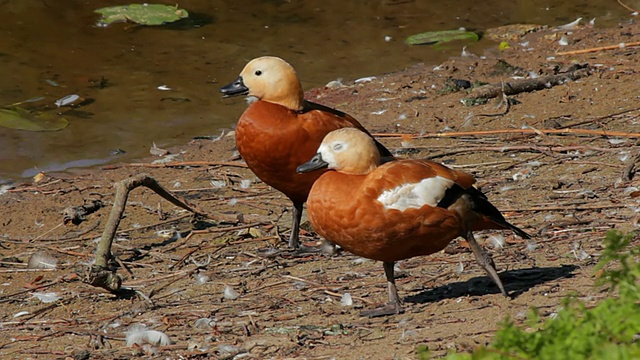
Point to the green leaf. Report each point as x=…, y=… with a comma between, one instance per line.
x=144, y=14
x=439, y=37
x=22, y=119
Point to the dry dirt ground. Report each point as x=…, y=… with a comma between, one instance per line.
x=566, y=188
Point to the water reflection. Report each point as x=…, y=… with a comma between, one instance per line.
x=51, y=50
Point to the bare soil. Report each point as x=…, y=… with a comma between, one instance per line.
x=566, y=188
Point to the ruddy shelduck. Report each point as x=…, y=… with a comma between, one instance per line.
x=280, y=129
x=396, y=210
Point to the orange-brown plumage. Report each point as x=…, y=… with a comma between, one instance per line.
x=280, y=129
x=274, y=140
x=396, y=210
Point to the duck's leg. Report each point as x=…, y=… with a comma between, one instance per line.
x=395, y=304
x=485, y=261
x=294, y=239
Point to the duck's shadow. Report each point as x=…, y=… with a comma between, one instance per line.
x=515, y=282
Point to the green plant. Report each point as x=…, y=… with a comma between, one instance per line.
x=607, y=331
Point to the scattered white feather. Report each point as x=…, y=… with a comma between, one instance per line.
x=38, y=223
x=592, y=22
x=365, y=79
x=379, y=112
x=570, y=25
x=334, y=84
x=497, y=241
x=204, y=323
x=359, y=260
x=69, y=99
x=532, y=246
x=166, y=159
x=622, y=45
x=218, y=184
x=204, y=262
x=5, y=189
x=202, y=279
x=164, y=88
x=46, y=297
x=617, y=141
x=245, y=183
x=177, y=184
x=228, y=350
x=20, y=313
x=232, y=202
x=533, y=75
x=388, y=38
x=460, y=267
x=229, y=293
x=346, y=300
x=139, y=334
x=522, y=174
x=42, y=260
x=564, y=41
x=464, y=52
x=166, y=233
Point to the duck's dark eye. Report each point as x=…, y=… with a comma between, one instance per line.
x=258, y=72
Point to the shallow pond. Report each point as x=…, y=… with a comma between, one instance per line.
x=145, y=85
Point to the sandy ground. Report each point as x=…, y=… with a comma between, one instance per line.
x=567, y=186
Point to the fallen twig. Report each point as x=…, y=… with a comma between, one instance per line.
x=600, y=48
x=188, y=163
x=509, y=131
x=101, y=274
x=526, y=85
x=632, y=168
x=76, y=214
x=627, y=7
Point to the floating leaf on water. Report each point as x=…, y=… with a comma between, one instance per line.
x=143, y=14
x=22, y=119
x=439, y=37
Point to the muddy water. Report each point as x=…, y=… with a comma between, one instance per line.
x=49, y=50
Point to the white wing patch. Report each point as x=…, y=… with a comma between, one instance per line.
x=414, y=196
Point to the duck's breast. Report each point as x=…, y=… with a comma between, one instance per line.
x=274, y=141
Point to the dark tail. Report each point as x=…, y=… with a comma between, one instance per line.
x=481, y=205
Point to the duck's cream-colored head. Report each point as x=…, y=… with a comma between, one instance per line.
x=271, y=79
x=347, y=150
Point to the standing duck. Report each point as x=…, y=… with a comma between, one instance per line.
x=280, y=129
x=397, y=210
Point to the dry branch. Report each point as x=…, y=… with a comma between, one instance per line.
x=600, y=48
x=526, y=85
x=510, y=131
x=102, y=274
